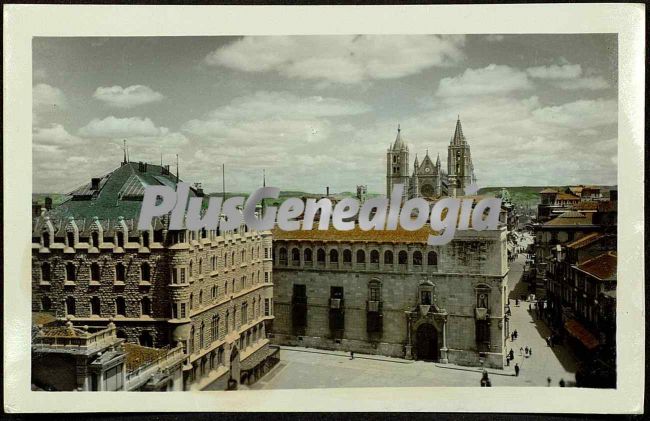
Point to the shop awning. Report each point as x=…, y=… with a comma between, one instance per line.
x=578, y=331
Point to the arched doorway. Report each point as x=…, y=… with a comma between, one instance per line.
x=235, y=371
x=426, y=342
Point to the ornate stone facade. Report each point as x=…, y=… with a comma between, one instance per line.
x=210, y=291
x=390, y=293
x=429, y=180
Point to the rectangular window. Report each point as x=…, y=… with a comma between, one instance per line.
x=182, y=275
x=267, y=306
x=174, y=311
x=267, y=278
x=183, y=310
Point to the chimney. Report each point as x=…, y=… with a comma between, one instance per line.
x=48, y=203
x=327, y=190
x=94, y=185
x=140, y=166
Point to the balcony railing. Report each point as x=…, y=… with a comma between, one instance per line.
x=144, y=372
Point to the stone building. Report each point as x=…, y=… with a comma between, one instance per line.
x=429, y=180
x=209, y=291
x=68, y=358
x=389, y=293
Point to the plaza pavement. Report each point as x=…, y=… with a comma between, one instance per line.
x=305, y=368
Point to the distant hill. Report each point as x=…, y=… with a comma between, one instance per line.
x=528, y=195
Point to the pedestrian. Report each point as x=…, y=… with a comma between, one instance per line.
x=548, y=380
x=516, y=334
x=485, y=380
x=512, y=354
x=530, y=351
x=351, y=355
x=526, y=350
x=508, y=360
x=521, y=351
x=562, y=384
x=516, y=369
x=512, y=336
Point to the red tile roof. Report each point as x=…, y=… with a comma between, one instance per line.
x=585, y=241
x=357, y=235
x=578, y=331
x=601, y=267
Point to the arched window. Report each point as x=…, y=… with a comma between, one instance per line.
x=334, y=256
x=200, y=297
x=70, y=272
x=225, y=260
x=361, y=256
x=94, y=236
x=120, y=306
x=46, y=274
x=417, y=258
x=232, y=258
x=70, y=305
x=70, y=236
x=320, y=255
x=46, y=239
x=214, y=328
x=191, y=301
x=402, y=257
x=145, y=306
x=295, y=255
x=120, y=239
x=282, y=255
x=191, y=346
x=95, y=273
x=374, y=256
x=388, y=257
x=202, y=335
x=146, y=339
x=120, y=273
x=432, y=258
x=95, y=306
x=374, y=291
x=200, y=266
x=308, y=255
x=347, y=256
x=191, y=268
x=46, y=304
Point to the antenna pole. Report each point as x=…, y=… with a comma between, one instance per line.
x=177, y=177
x=223, y=181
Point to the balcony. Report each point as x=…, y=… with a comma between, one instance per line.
x=374, y=306
x=336, y=303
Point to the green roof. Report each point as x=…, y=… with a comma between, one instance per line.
x=119, y=193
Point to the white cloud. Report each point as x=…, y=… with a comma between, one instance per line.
x=565, y=71
x=47, y=98
x=582, y=114
x=343, y=59
x=589, y=83
x=55, y=135
x=490, y=80
x=264, y=104
x=112, y=127
x=128, y=97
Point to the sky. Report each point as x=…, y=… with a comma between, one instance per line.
x=317, y=111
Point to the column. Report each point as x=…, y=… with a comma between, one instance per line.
x=408, y=352
x=444, y=349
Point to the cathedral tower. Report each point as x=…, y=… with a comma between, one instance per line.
x=459, y=163
x=397, y=163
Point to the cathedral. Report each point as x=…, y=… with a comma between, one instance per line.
x=429, y=180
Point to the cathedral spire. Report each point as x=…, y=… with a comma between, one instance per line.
x=438, y=161
x=458, y=134
x=399, y=143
